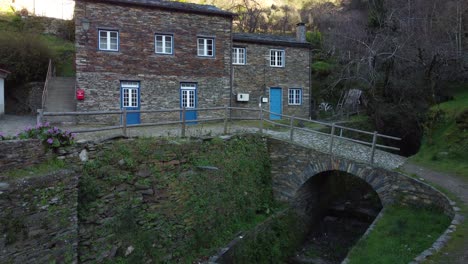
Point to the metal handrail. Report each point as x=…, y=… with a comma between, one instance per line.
x=46, y=84
x=227, y=116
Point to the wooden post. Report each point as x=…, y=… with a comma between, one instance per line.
x=124, y=122
x=341, y=132
x=183, y=122
x=291, y=127
x=332, y=137
x=374, y=141
x=261, y=120
x=40, y=116
x=226, y=109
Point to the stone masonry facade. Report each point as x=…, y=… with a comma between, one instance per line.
x=256, y=77
x=100, y=73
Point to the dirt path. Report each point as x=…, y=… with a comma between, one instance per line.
x=456, y=252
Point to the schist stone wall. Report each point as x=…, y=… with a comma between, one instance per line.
x=99, y=72
x=20, y=153
x=38, y=218
x=256, y=76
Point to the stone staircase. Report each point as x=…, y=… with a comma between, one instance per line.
x=61, y=98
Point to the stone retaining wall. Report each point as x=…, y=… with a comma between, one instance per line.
x=38, y=219
x=20, y=153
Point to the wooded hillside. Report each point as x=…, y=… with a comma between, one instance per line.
x=401, y=53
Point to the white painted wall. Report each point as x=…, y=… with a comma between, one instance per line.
x=2, y=96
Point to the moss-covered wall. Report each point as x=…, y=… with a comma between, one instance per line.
x=272, y=241
x=38, y=219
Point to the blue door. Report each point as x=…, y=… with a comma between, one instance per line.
x=130, y=100
x=188, y=99
x=276, y=104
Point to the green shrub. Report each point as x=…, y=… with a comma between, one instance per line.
x=277, y=240
x=322, y=68
x=462, y=120
x=26, y=56
x=314, y=38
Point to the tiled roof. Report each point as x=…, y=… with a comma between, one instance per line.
x=172, y=5
x=268, y=39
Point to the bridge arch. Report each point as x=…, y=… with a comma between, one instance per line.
x=335, y=192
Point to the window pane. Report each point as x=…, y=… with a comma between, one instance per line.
x=134, y=98
x=125, y=97
x=103, y=44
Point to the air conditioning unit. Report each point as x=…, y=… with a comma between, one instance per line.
x=242, y=97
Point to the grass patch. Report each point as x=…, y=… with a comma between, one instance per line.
x=48, y=166
x=445, y=144
x=400, y=235
x=64, y=52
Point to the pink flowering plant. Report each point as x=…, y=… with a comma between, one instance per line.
x=3, y=136
x=52, y=137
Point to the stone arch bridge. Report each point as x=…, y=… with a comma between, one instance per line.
x=293, y=165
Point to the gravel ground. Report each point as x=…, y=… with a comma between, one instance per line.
x=347, y=149
x=12, y=124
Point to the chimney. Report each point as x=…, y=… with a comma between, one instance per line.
x=301, y=32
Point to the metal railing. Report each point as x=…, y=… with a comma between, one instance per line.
x=46, y=84
x=226, y=117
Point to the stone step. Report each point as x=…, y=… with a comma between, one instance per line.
x=61, y=98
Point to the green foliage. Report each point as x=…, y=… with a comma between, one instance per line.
x=275, y=241
x=63, y=52
x=402, y=234
x=315, y=38
x=194, y=210
x=462, y=120
x=26, y=56
x=27, y=33
x=445, y=142
x=322, y=68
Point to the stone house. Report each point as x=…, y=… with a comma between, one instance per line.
x=274, y=71
x=142, y=54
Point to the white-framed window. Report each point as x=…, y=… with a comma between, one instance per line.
x=130, y=94
x=188, y=94
x=108, y=40
x=238, y=56
x=277, y=58
x=295, y=96
x=163, y=43
x=205, y=47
